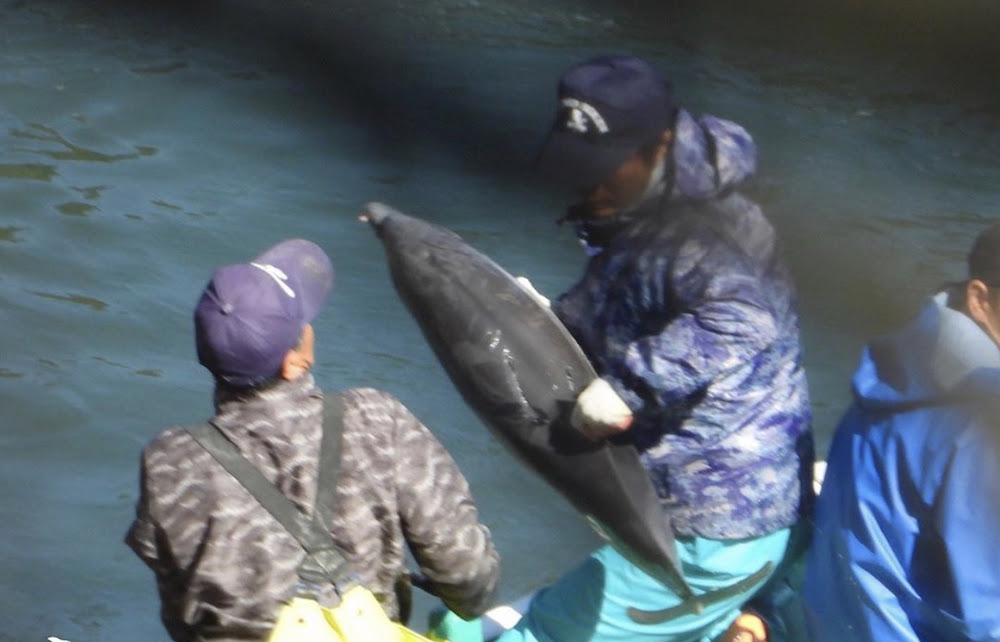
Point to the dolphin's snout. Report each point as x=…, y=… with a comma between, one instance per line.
x=375, y=214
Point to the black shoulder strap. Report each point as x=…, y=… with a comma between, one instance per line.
x=329, y=457
x=323, y=557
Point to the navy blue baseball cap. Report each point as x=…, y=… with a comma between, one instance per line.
x=609, y=107
x=251, y=314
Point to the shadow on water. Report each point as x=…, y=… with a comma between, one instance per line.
x=358, y=57
x=341, y=56
x=343, y=52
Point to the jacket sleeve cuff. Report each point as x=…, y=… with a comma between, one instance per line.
x=629, y=396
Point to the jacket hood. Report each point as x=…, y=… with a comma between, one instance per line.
x=941, y=355
x=710, y=155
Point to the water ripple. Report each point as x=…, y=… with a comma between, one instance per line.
x=91, y=193
x=79, y=299
x=8, y=234
x=161, y=69
x=72, y=151
x=75, y=208
x=28, y=171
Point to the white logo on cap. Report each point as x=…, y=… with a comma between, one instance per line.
x=278, y=276
x=581, y=114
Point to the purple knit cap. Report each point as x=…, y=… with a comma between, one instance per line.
x=251, y=314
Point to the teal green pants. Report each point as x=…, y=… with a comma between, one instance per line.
x=589, y=603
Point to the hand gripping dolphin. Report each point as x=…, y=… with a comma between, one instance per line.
x=520, y=370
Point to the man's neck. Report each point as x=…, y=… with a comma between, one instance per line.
x=225, y=393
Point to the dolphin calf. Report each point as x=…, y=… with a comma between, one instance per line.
x=520, y=371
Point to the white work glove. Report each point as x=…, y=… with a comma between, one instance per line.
x=530, y=289
x=819, y=474
x=599, y=411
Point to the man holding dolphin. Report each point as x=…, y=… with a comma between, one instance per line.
x=688, y=314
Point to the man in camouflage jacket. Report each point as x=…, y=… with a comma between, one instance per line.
x=223, y=564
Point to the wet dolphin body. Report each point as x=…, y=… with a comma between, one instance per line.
x=520, y=370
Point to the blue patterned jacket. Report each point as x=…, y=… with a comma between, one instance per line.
x=689, y=313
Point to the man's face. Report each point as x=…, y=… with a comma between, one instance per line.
x=626, y=186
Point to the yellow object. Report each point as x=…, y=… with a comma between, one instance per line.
x=358, y=618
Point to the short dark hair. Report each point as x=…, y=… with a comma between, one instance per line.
x=984, y=257
x=225, y=391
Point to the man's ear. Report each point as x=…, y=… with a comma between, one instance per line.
x=663, y=146
x=294, y=365
x=299, y=360
x=977, y=300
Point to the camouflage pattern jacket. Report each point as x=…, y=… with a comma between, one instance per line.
x=223, y=565
x=689, y=313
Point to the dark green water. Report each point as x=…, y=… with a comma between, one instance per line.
x=143, y=145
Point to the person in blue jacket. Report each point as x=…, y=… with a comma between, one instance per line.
x=688, y=314
x=907, y=534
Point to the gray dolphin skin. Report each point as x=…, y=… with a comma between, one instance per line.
x=520, y=371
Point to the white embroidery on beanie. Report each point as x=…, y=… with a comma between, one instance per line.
x=278, y=276
x=577, y=110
